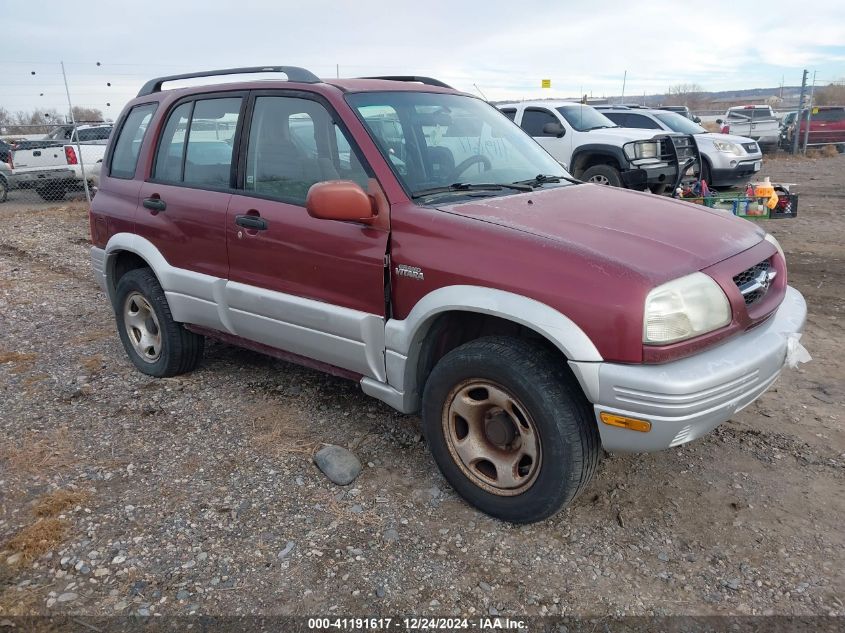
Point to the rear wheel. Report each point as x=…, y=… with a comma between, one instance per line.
x=509, y=428
x=4, y=190
x=51, y=193
x=155, y=343
x=602, y=175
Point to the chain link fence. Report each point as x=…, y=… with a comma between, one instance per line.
x=51, y=163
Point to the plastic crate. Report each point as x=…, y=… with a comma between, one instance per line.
x=743, y=206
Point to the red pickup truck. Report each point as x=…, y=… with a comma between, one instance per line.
x=410, y=237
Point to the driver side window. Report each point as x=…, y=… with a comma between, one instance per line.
x=534, y=119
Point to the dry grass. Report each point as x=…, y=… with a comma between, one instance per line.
x=37, y=539
x=20, y=361
x=38, y=454
x=281, y=430
x=92, y=364
x=54, y=503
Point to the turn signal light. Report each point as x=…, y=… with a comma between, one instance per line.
x=633, y=424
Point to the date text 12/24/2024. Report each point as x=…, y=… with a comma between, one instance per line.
x=417, y=624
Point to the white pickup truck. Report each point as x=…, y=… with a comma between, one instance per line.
x=754, y=121
x=594, y=149
x=54, y=166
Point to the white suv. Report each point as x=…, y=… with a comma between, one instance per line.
x=593, y=148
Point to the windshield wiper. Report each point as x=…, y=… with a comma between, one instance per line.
x=466, y=186
x=541, y=179
x=599, y=127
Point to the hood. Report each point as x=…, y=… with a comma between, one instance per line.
x=658, y=237
x=725, y=138
x=617, y=135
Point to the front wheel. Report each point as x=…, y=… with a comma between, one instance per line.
x=509, y=428
x=155, y=343
x=603, y=175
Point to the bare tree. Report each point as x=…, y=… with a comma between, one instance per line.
x=690, y=95
x=81, y=114
x=832, y=94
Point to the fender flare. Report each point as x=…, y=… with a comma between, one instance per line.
x=404, y=338
x=599, y=149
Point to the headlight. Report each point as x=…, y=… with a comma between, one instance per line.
x=683, y=308
x=771, y=239
x=642, y=150
x=728, y=148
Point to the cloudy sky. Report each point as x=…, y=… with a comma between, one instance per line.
x=502, y=48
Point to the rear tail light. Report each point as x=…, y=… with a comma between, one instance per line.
x=726, y=129
x=12, y=160
x=70, y=155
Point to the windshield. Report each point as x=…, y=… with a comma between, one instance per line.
x=436, y=140
x=584, y=117
x=679, y=123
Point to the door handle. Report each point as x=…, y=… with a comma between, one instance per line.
x=155, y=204
x=251, y=222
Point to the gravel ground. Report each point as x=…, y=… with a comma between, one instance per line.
x=123, y=494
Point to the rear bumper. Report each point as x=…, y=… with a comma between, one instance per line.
x=687, y=398
x=44, y=177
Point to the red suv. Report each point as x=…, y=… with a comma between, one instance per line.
x=410, y=237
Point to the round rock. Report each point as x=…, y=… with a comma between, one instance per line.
x=338, y=464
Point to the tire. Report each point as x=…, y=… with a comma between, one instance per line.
x=157, y=345
x=602, y=175
x=549, y=417
x=51, y=194
x=841, y=148
x=4, y=190
x=659, y=190
x=705, y=172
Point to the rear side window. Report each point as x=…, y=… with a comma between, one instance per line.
x=642, y=122
x=197, y=144
x=534, y=120
x=510, y=113
x=128, y=145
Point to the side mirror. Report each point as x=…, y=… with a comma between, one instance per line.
x=719, y=121
x=339, y=200
x=696, y=119
x=554, y=129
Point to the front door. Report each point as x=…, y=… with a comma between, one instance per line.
x=308, y=286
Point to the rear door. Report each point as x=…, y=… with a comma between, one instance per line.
x=183, y=204
x=311, y=287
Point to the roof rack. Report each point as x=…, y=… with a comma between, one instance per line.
x=429, y=81
x=294, y=73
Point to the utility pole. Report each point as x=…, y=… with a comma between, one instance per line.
x=797, y=130
x=75, y=132
x=809, y=114
x=337, y=70
x=624, y=79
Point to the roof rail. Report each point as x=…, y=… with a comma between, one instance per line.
x=294, y=73
x=429, y=81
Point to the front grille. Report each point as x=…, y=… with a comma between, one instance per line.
x=754, y=282
x=751, y=148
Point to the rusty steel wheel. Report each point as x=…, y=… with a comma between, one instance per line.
x=491, y=437
x=509, y=427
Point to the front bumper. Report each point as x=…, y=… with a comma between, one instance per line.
x=652, y=175
x=687, y=398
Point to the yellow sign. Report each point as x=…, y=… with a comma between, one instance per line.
x=545, y=83
x=815, y=110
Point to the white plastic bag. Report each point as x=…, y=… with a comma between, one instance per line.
x=795, y=352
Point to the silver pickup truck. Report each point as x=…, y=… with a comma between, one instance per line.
x=754, y=121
